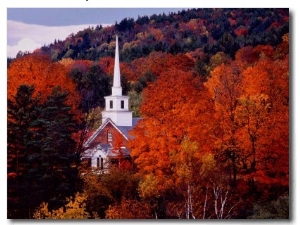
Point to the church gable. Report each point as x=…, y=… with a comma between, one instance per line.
x=108, y=133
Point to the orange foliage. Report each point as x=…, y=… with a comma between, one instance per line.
x=176, y=106
x=225, y=87
x=107, y=65
x=140, y=66
x=129, y=209
x=180, y=61
x=271, y=78
x=43, y=74
x=157, y=34
x=117, y=144
x=251, y=97
x=157, y=62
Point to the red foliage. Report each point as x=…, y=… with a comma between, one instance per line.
x=251, y=96
x=107, y=65
x=241, y=30
x=171, y=111
x=39, y=71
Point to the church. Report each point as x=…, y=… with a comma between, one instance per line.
x=108, y=143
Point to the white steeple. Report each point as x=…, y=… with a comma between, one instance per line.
x=116, y=105
x=117, y=89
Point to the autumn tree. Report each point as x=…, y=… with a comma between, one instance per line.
x=38, y=70
x=119, y=152
x=252, y=115
x=107, y=190
x=251, y=131
x=171, y=112
x=187, y=165
x=75, y=208
x=267, y=93
x=129, y=209
x=225, y=88
x=217, y=59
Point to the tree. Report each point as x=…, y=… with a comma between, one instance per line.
x=187, y=164
x=225, y=88
x=75, y=208
x=129, y=209
x=42, y=163
x=107, y=190
x=59, y=159
x=269, y=77
x=117, y=150
x=22, y=112
x=251, y=129
x=217, y=59
x=252, y=116
x=171, y=111
x=39, y=71
x=92, y=85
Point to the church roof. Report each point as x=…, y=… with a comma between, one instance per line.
x=124, y=130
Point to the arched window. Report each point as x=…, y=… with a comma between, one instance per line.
x=100, y=162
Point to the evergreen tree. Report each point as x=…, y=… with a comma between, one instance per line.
x=58, y=171
x=42, y=160
x=22, y=112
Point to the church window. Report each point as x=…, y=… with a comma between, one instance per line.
x=100, y=162
x=111, y=104
x=109, y=137
x=122, y=104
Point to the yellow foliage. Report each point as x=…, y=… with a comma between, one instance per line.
x=148, y=187
x=74, y=209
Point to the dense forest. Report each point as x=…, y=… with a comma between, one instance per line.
x=212, y=89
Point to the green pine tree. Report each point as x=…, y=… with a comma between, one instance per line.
x=58, y=150
x=42, y=159
x=22, y=112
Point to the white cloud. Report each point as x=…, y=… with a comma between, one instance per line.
x=25, y=44
x=28, y=37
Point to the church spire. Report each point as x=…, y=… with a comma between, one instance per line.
x=117, y=88
x=117, y=105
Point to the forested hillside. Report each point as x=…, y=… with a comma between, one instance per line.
x=209, y=30
x=212, y=87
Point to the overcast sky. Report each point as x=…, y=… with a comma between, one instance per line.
x=31, y=28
